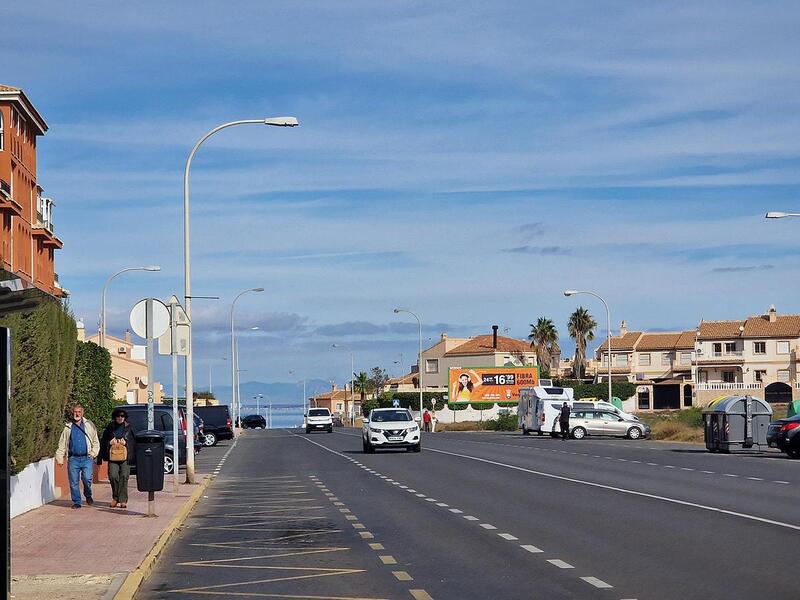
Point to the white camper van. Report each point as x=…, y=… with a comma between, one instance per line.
x=539, y=407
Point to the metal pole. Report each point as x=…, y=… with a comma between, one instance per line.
x=352, y=390
x=304, y=396
x=176, y=446
x=419, y=366
x=151, y=496
x=102, y=332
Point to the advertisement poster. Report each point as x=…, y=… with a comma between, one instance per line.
x=490, y=384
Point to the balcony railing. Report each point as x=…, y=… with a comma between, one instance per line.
x=722, y=386
x=5, y=188
x=722, y=356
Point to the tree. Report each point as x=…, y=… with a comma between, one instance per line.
x=203, y=395
x=93, y=383
x=361, y=382
x=378, y=380
x=581, y=326
x=544, y=339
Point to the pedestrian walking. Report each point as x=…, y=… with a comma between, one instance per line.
x=79, y=443
x=426, y=420
x=563, y=420
x=433, y=420
x=118, y=448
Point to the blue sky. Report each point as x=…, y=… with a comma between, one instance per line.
x=465, y=160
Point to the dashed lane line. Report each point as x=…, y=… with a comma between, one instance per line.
x=557, y=562
x=598, y=583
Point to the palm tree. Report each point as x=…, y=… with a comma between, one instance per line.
x=544, y=338
x=361, y=382
x=581, y=326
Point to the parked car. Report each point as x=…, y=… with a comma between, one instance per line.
x=216, y=423
x=390, y=428
x=784, y=434
x=319, y=418
x=254, y=422
x=603, y=422
x=162, y=421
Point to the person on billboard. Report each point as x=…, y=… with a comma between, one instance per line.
x=463, y=388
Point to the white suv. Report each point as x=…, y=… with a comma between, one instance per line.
x=390, y=428
x=319, y=418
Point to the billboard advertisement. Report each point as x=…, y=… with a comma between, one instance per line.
x=490, y=384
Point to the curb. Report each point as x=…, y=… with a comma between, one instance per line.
x=131, y=584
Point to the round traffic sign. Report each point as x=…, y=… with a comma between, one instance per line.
x=160, y=319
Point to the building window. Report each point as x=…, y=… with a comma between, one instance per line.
x=686, y=358
x=717, y=348
x=643, y=400
x=666, y=359
x=730, y=347
x=783, y=375
x=339, y=406
x=760, y=375
x=783, y=347
x=729, y=376
x=644, y=360
x=621, y=360
x=431, y=365
x=759, y=347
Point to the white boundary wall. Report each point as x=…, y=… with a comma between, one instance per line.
x=33, y=487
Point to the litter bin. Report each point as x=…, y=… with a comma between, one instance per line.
x=150, y=461
x=736, y=423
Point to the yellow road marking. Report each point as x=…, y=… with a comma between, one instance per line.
x=292, y=552
x=351, y=517
x=366, y=535
x=388, y=560
x=322, y=572
x=358, y=526
x=402, y=576
x=377, y=546
x=420, y=595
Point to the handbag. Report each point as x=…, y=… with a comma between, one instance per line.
x=118, y=453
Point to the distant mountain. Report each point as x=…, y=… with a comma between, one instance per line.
x=277, y=392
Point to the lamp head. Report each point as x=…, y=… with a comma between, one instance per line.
x=257, y=290
x=773, y=214
x=152, y=268
x=570, y=292
x=282, y=121
x=256, y=328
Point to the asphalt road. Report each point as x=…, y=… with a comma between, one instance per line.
x=489, y=515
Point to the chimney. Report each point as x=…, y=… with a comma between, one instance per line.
x=444, y=337
x=128, y=336
x=623, y=328
x=494, y=336
x=772, y=314
x=333, y=386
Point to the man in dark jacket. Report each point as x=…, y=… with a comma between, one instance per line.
x=563, y=420
x=118, y=448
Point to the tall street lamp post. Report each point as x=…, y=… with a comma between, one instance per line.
x=103, y=299
x=187, y=277
x=237, y=415
x=352, y=391
x=419, y=356
x=235, y=355
x=608, y=320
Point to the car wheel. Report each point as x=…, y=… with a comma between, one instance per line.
x=308, y=430
x=169, y=464
x=330, y=429
x=210, y=439
x=418, y=447
x=793, y=452
x=369, y=448
x=579, y=433
x=634, y=433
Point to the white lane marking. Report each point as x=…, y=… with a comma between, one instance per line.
x=508, y=536
x=410, y=490
x=653, y=464
x=729, y=475
x=598, y=583
x=531, y=549
x=783, y=482
x=708, y=472
x=470, y=518
x=686, y=469
x=669, y=467
x=488, y=526
x=560, y=563
x=442, y=504
x=403, y=487
x=455, y=511
x=420, y=495
x=755, y=479
x=612, y=488
x=430, y=499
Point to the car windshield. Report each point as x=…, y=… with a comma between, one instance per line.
x=320, y=412
x=390, y=415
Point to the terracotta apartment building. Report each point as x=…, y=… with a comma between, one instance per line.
x=27, y=234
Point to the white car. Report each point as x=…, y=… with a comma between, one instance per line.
x=391, y=428
x=319, y=418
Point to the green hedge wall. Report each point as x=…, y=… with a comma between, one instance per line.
x=42, y=362
x=92, y=384
x=410, y=400
x=622, y=390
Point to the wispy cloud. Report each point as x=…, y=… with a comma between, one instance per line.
x=742, y=269
x=540, y=250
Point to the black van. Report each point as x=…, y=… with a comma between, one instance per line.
x=162, y=421
x=216, y=423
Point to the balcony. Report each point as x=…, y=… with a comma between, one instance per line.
x=6, y=201
x=46, y=231
x=722, y=386
x=719, y=358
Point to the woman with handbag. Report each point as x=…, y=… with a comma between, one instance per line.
x=118, y=447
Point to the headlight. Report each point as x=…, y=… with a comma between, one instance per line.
x=371, y=430
x=413, y=429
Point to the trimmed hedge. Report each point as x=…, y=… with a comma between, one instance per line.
x=410, y=400
x=42, y=363
x=92, y=383
x=622, y=389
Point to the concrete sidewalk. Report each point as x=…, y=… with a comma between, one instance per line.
x=61, y=553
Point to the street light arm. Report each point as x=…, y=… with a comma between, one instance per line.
x=105, y=289
x=419, y=353
x=608, y=317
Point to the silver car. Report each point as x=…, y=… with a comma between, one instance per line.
x=601, y=422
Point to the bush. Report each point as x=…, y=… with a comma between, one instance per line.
x=42, y=363
x=482, y=405
x=503, y=423
x=410, y=400
x=93, y=384
x=622, y=389
x=457, y=406
x=369, y=404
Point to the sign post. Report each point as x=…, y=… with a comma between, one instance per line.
x=150, y=319
x=5, y=432
x=175, y=343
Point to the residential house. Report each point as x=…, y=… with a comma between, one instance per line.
x=27, y=234
x=338, y=402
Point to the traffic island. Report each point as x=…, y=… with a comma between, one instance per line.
x=95, y=551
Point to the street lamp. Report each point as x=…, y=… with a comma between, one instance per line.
x=608, y=317
x=304, y=393
x=103, y=299
x=237, y=410
x=234, y=353
x=779, y=215
x=419, y=355
x=187, y=272
x=352, y=374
